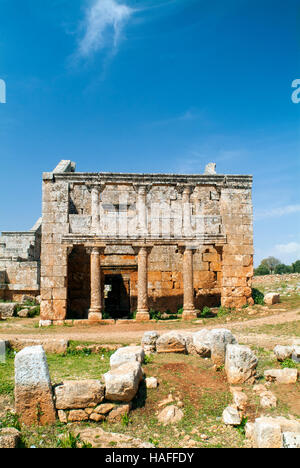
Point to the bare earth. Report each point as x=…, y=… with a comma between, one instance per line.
x=133, y=332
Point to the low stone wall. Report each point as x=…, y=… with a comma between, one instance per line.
x=38, y=402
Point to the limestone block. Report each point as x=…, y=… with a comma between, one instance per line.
x=240, y=364
x=7, y=309
x=231, y=416
x=291, y=440
x=151, y=382
x=127, y=354
x=77, y=416
x=267, y=433
x=9, y=438
x=149, y=341
x=123, y=382
x=272, y=298
x=171, y=342
x=119, y=411
x=75, y=394
x=283, y=352
x=281, y=376
x=33, y=390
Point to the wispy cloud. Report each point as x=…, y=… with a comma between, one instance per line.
x=277, y=212
x=186, y=116
x=289, y=248
x=103, y=26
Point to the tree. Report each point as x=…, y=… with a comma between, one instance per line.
x=281, y=269
x=271, y=263
x=296, y=266
x=261, y=270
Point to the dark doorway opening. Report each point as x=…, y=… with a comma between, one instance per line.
x=117, y=296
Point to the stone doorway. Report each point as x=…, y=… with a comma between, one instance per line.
x=116, y=295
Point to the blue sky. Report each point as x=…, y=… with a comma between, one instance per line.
x=153, y=86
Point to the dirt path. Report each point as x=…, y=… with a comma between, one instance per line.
x=132, y=333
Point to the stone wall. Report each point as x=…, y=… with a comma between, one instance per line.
x=20, y=263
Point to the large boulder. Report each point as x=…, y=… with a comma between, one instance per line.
x=127, y=354
x=149, y=341
x=219, y=339
x=291, y=440
x=200, y=343
x=282, y=376
x=7, y=309
x=272, y=298
x=172, y=342
x=267, y=432
x=76, y=394
x=33, y=391
x=122, y=383
x=240, y=364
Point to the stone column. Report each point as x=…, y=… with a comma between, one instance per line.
x=95, y=312
x=142, y=308
x=189, y=311
x=95, y=210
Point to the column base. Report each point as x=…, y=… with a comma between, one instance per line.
x=190, y=314
x=95, y=315
x=142, y=316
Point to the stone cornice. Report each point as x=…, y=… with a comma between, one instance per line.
x=234, y=181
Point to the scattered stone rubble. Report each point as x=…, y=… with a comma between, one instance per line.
x=279, y=432
x=272, y=298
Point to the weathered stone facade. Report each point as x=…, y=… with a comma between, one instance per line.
x=20, y=263
x=131, y=242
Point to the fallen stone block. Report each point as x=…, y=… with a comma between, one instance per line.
x=268, y=400
x=104, y=408
x=76, y=394
x=77, y=416
x=52, y=346
x=170, y=415
x=98, y=438
x=240, y=364
x=23, y=313
x=172, y=342
x=281, y=376
x=9, y=438
x=219, y=339
x=33, y=390
x=272, y=298
x=149, y=341
x=240, y=399
x=119, y=411
x=231, y=416
x=123, y=382
x=291, y=440
x=127, y=354
x=283, y=352
x=296, y=353
x=7, y=309
x=267, y=433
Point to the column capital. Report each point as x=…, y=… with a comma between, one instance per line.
x=142, y=189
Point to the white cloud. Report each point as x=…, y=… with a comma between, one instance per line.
x=103, y=26
x=289, y=248
x=277, y=212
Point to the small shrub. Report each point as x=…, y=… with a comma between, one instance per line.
x=69, y=441
x=257, y=296
x=288, y=364
x=180, y=311
x=206, y=312
x=155, y=315
x=148, y=359
x=241, y=427
x=222, y=312
x=126, y=420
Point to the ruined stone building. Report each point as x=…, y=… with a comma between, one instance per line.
x=125, y=243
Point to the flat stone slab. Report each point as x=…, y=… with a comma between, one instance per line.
x=98, y=438
x=282, y=376
x=172, y=342
x=77, y=394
